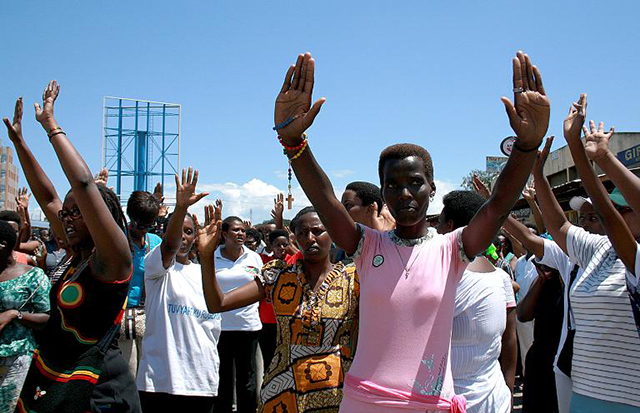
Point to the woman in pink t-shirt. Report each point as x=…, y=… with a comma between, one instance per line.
x=408, y=276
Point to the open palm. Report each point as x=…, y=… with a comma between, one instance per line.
x=209, y=235
x=596, y=140
x=15, y=128
x=49, y=96
x=293, y=104
x=186, y=189
x=529, y=117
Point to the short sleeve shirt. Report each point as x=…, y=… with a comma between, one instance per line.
x=137, y=278
x=407, y=291
x=30, y=293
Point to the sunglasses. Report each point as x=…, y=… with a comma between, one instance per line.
x=142, y=227
x=73, y=214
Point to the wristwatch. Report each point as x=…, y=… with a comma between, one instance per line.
x=19, y=314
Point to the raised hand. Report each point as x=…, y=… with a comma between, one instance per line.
x=278, y=207
x=44, y=114
x=157, y=193
x=22, y=200
x=529, y=118
x=102, y=177
x=596, y=140
x=293, y=104
x=575, y=119
x=15, y=128
x=542, y=156
x=247, y=224
x=480, y=187
x=209, y=235
x=186, y=189
x=529, y=193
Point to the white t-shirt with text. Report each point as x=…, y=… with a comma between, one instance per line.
x=179, y=349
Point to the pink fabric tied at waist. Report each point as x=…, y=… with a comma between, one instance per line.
x=369, y=392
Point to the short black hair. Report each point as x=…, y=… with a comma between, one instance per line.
x=228, y=220
x=10, y=216
x=142, y=206
x=405, y=150
x=300, y=214
x=367, y=192
x=461, y=206
x=255, y=234
x=8, y=235
x=533, y=227
x=166, y=223
x=277, y=233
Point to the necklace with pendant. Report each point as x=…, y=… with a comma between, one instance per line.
x=407, y=266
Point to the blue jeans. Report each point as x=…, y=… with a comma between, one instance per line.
x=585, y=404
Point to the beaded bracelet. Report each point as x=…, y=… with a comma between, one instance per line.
x=293, y=148
x=297, y=155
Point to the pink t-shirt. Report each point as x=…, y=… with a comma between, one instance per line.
x=406, y=321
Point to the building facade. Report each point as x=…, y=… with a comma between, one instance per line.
x=8, y=178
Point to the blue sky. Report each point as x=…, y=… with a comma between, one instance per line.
x=428, y=72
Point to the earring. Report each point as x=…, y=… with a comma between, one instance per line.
x=432, y=196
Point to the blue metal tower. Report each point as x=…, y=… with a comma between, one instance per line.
x=140, y=143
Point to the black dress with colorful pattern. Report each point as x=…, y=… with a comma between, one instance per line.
x=317, y=336
x=84, y=309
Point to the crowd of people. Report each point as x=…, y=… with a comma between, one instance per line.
x=357, y=305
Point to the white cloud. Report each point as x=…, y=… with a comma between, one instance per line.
x=341, y=173
x=442, y=188
x=250, y=200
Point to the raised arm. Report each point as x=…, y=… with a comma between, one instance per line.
x=529, y=195
x=111, y=246
x=42, y=188
x=208, y=241
x=529, y=119
x=614, y=225
x=293, y=116
x=597, y=147
x=185, y=197
x=555, y=221
x=277, y=211
x=531, y=242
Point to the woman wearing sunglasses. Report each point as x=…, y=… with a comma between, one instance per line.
x=77, y=366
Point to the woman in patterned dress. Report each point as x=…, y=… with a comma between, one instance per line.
x=89, y=289
x=316, y=306
x=24, y=304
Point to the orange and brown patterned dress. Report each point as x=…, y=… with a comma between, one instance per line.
x=317, y=335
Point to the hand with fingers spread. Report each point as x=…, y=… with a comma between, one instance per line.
x=209, y=235
x=44, y=114
x=247, y=224
x=575, y=119
x=186, y=189
x=102, y=177
x=15, y=128
x=597, y=141
x=294, y=113
x=278, y=210
x=529, y=117
x=22, y=200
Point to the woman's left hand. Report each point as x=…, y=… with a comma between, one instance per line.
x=209, y=235
x=44, y=114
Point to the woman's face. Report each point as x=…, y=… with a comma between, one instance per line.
x=73, y=224
x=312, y=238
x=188, y=237
x=279, y=247
x=235, y=235
x=406, y=190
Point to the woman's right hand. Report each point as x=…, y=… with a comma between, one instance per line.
x=209, y=235
x=293, y=104
x=15, y=129
x=186, y=189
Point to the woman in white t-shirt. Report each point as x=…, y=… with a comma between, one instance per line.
x=483, y=339
x=179, y=366
x=237, y=265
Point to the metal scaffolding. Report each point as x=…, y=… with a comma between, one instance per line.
x=140, y=143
